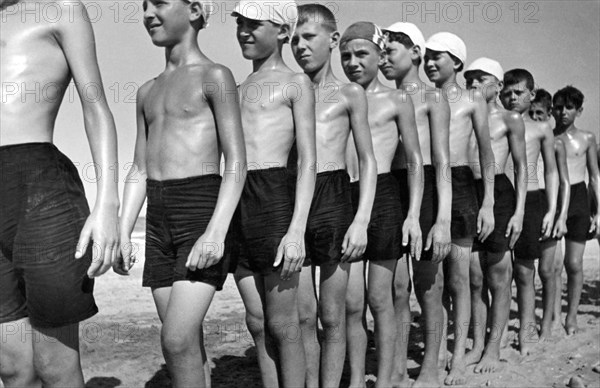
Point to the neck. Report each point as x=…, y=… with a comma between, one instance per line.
x=492, y=105
x=409, y=80
x=272, y=61
x=323, y=75
x=449, y=83
x=560, y=129
x=372, y=85
x=183, y=53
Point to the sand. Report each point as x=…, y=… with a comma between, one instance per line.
x=120, y=346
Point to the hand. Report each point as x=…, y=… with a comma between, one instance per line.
x=514, y=229
x=355, y=243
x=125, y=258
x=485, y=222
x=101, y=227
x=411, y=232
x=439, y=238
x=595, y=226
x=292, y=252
x=206, y=252
x=547, y=226
x=560, y=228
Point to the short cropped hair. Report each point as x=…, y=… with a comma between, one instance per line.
x=543, y=97
x=515, y=76
x=569, y=94
x=317, y=13
x=404, y=40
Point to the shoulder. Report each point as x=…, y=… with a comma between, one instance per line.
x=352, y=90
x=144, y=89
x=510, y=117
x=301, y=79
x=475, y=97
x=217, y=72
x=588, y=136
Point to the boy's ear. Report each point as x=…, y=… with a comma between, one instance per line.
x=334, y=40
x=415, y=53
x=579, y=111
x=284, y=33
x=197, y=13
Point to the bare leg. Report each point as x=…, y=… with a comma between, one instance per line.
x=574, y=266
x=334, y=281
x=307, y=310
x=16, y=355
x=281, y=298
x=252, y=291
x=403, y=321
x=379, y=290
x=546, y=271
x=458, y=275
x=479, y=306
x=524, y=277
x=356, y=324
x=499, y=276
x=558, y=268
x=429, y=284
x=56, y=356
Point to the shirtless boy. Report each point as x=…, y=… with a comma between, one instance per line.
x=272, y=225
x=491, y=262
x=334, y=237
x=404, y=49
x=391, y=115
x=538, y=220
x=581, y=156
x=445, y=57
x=46, y=264
x=182, y=128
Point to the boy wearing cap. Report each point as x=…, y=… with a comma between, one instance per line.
x=272, y=225
x=581, y=156
x=404, y=48
x=491, y=266
x=46, y=264
x=333, y=238
x=391, y=115
x=182, y=126
x=516, y=95
x=445, y=57
x=541, y=110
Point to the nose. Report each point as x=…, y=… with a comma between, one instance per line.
x=148, y=11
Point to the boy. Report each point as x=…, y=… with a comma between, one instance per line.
x=182, y=126
x=516, y=95
x=445, y=57
x=581, y=155
x=272, y=226
x=333, y=238
x=541, y=110
x=491, y=265
x=391, y=115
x=46, y=268
x=404, y=49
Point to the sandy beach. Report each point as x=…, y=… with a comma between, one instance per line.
x=120, y=346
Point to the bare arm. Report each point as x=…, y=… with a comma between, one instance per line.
x=551, y=178
x=479, y=117
x=439, y=128
x=407, y=125
x=560, y=152
x=208, y=250
x=355, y=241
x=594, y=174
x=516, y=143
x=76, y=37
x=135, y=187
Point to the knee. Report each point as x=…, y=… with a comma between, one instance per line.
x=458, y=283
x=546, y=273
x=49, y=367
x=173, y=343
x=574, y=267
x=255, y=324
x=379, y=299
x=16, y=371
x=476, y=281
x=331, y=317
x=355, y=306
x=284, y=328
x=307, y=315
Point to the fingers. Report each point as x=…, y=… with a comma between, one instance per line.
x=279, y=255
x=84, y=240
x=416, y=246
x=345, y=248
x=479, y=224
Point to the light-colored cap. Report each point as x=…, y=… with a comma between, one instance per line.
x=487, y=65
x=207, y=9
x=364, y=30
x=446, y=41
x=411, y=31
x=279, y=12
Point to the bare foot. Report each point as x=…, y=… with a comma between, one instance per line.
x=400, y=381
x=504, y=339
x=473, y=356
x=527, y=340
x=442, y=363
x=571, y=326
x=490, y=363
x=596, y=367
x=427, y=382
x=457, y=373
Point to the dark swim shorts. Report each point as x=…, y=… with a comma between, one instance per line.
x=329, y=218
x=385, y=227
x=528, y=246
x=264, y=215
x=465, y=206
x=429, y=204
x=578, y=218
x=504, y=208
x=178, y=213
x=42, y=211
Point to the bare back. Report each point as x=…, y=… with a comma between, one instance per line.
x=181, y=132
x=266, y=106
x=576, y=144
x=34, y=73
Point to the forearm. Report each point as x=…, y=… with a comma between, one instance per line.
x=595, y=184
x=551, y=178
x=234, y=177
x=565, y=197
x=488, y=172
x=133, y=200
x=415, y=183
x=444, y=191
x=520, y=186
x=305, y=188
x=368, y=185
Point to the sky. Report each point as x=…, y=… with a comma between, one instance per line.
x=558, y=41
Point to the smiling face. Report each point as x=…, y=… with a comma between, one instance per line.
x=439, y=66
x=312, y=45
x=517, y=97
x=539, y=112
x=167, y=21
x=360, y=60
x=257, y=38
